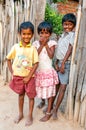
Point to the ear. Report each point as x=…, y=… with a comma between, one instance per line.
x=32, y=35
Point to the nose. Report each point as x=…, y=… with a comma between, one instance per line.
x=67, y=25
x=26, y=36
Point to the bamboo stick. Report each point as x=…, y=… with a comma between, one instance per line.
x=76, y=33
x=84, y=4
x=70, y=95
x=76, y=111
x=1, y=46
x=83, y=92
x=85, y=123
x=26, y=9
x=82, y=113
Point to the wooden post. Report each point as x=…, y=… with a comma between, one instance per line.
x=1, y=46
x=72, y=68
x=84, y=4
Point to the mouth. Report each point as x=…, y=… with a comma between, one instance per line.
x=26, y=39
x=67, y=30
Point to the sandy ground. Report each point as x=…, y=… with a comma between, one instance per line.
x=9, y=110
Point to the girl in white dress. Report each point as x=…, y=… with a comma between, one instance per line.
x=46, y=76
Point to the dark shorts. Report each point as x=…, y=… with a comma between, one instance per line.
x=64, y=78
x=18, y=86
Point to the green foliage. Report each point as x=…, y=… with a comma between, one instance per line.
x=64, y=1
x=54, y=18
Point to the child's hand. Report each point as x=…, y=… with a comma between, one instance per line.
x=43, y=40
x=62, y=68
x=26, y=79
x=57, y=67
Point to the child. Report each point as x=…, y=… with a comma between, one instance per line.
x=46, y=76
x=63, y=56
x=25, y=63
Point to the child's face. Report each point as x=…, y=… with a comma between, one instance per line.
x=44, y=35
x=68, y=26
x=26, y=35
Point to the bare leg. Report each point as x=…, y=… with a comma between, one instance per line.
x=48, y=113
x=59, y=100
x=30, y=115
x=53, y=100
x=21, y=103
x=57, y=89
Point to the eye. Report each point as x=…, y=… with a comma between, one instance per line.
x=47, y=32
x=41, y=32
x=23, y=33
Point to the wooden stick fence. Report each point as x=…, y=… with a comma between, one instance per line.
x=12, y=14
x=76, y=101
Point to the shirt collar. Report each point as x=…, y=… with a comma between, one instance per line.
x=28, y=45
x=65, y=34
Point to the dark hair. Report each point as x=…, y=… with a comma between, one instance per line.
x=45, y=25
x=69, y=17
x=26, y=25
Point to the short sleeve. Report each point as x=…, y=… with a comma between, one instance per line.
x=12, y=53
x=52, y=43
x=36, y=44
x=72, y=37
x=35, y=55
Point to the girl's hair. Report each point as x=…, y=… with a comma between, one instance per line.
x=44, y=25
x=26, y=25
x=69, y=17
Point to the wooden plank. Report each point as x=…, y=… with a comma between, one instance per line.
x=82, y=29
x=84, y=4
x=72, y=68
x=1, y=44
x=81, y=74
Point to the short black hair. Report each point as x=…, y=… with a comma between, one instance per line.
x=26, y=25
x=45, y=25
x=69, y=17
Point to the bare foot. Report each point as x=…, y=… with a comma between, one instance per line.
x=45, y=110
x=46, y=117
x=18, y=119
x=29, y=122
x=54, y=114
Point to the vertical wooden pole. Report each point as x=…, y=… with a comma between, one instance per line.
x=72, y=68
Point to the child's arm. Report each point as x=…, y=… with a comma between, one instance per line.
x=11, y=55
x=68, y=53
x=56, y=65
x=26, y=79
x=10, y=65
x=40, y=48
x=43, y=41
x=50, y=50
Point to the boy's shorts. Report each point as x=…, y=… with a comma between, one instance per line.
x=18, y=86
x=64, y=78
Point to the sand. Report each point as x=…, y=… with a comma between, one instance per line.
x=9, y=110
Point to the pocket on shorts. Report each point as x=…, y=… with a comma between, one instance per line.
x=67, y=66
x=17, y=84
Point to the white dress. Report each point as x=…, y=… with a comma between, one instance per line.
x=46, y=76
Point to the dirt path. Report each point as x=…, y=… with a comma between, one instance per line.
x=9, y=109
